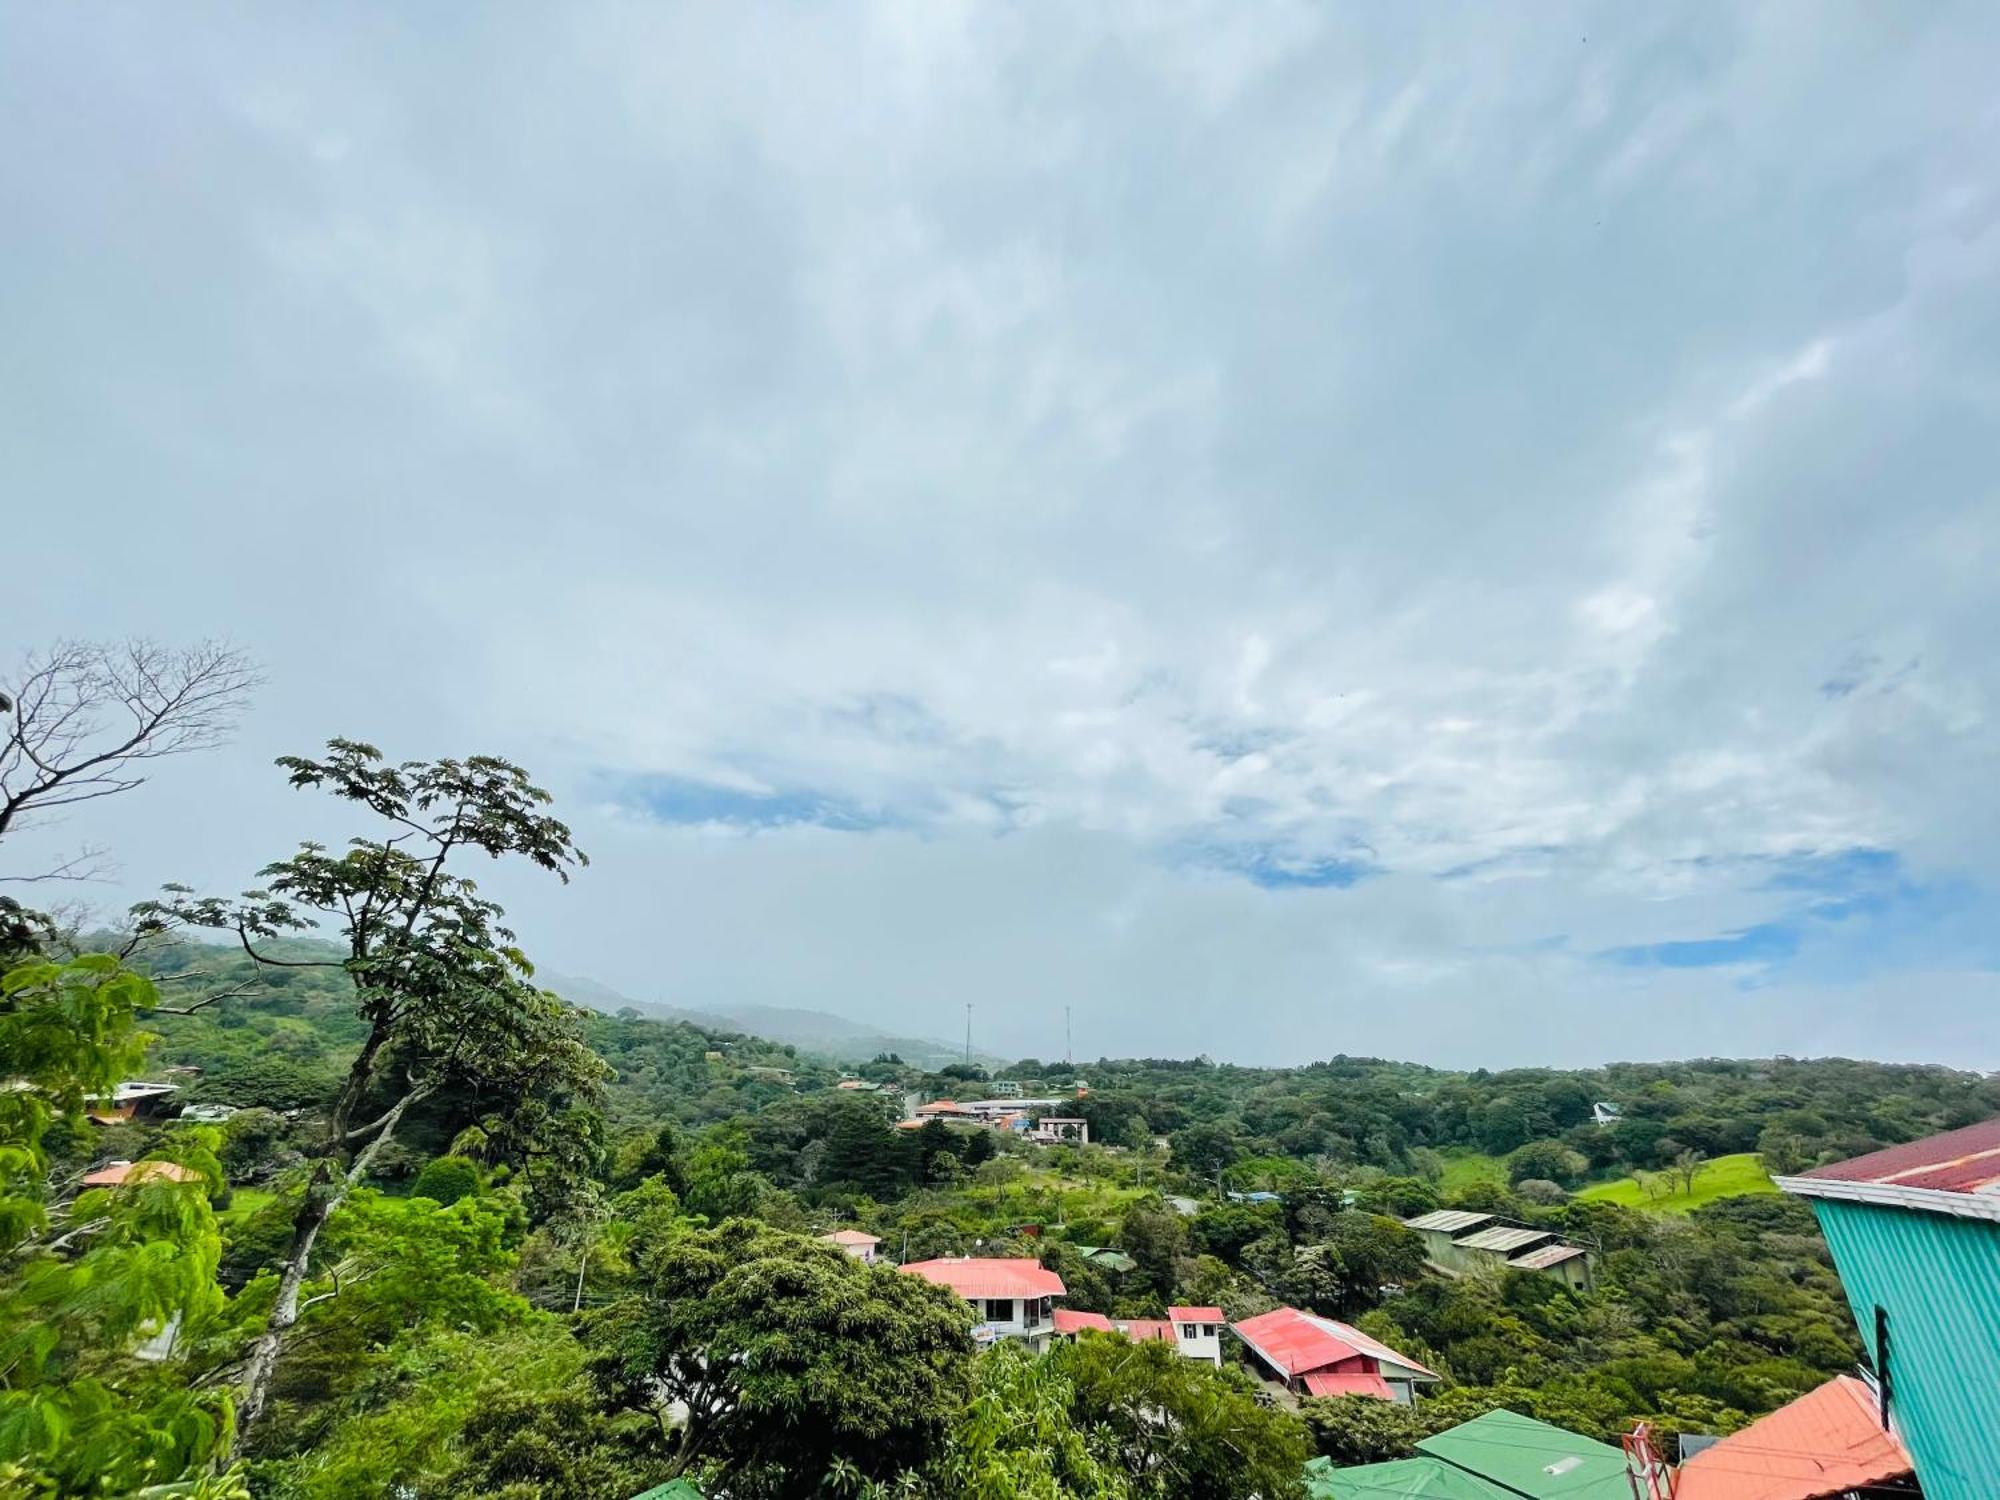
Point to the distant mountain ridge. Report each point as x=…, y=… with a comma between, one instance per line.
x=809, y=1030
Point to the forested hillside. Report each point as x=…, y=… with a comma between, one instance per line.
x=384, y=1217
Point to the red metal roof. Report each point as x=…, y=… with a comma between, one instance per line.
x=1825, y=1443
x=120, y=1173
x=1328, y=1383
x=1959, y=1161
x=1297, y=1342
x=990, y=1278
x=1139, y=1330
x=1195, y=1314
x=1073, y=1322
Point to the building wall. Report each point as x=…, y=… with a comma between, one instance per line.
x=1939, y=1279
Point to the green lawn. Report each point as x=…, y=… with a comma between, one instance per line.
x=245, y=1202
x=1725, y=1177
x=1463, y=1169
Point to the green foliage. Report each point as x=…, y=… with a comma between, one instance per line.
x=1020, y=1438
x=790, y=1357
x=446, y=1179
x=1181, y=1428
x=90, y=1279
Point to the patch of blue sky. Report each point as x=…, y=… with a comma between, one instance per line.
x=1858, y=912
x=686, y=801
x=1275, y=869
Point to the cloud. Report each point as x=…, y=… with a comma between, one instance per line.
x=1280, y=529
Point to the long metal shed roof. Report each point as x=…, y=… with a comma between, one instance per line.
x=1450, y=1220
x=1505, y=1240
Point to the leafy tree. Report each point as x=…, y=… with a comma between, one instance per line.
x=1182, y=1428
x=1156, y=1237
x=88, y=1279
x=444, y=995
x=446, y=1179
x=1363, y=1430
x=1019, y=1438
x=1550, y=1160
x=791, y=1359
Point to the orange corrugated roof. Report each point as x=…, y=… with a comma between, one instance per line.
x=120, y=1173
x=1825, y=1443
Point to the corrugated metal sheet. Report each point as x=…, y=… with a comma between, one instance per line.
x=1449, y=1220
x=1938, y=1277
x=1827, y=1442
x=1959, y=1161
x=1548, y=1255
x=1506, y=1241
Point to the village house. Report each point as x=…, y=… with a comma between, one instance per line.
x=1498, y=1456
x=130, y=1101
x=1830, y=1441
x=1313, y=1356
x=1195, y=1332
x=855, y=1243
x=1013, y=1299
x=1461, y=1242
x=1052, y=1130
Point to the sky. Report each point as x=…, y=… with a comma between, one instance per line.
x=1457, y=533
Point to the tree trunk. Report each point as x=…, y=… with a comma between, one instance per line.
x=323, y=1195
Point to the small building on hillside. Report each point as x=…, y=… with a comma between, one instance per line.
x=130, y=1101
x=1052, y=1130
x=1830, y=1441
x=857, y=1244
x=1108, y=1258
x=1603, y=1113
x=1499, y=1456
x=1313, y=1356
x=1461, y=1242
x=1013, y=1298
x=1915, y=1235
x=1194, y=1332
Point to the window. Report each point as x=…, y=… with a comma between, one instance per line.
x=1190, y=1330
x=1000, y=1310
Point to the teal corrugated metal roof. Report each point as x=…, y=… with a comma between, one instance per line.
x=1533, y=1458
x=1938, y=1278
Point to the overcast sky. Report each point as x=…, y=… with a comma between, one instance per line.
x=1464, y=534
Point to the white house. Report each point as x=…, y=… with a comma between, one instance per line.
x=1014, y=1299
x=1198, y=1332
x=855, y=1243
x=1052, y=1130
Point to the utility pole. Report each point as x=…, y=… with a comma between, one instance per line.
x=1069, y=1042
x=968, y=1033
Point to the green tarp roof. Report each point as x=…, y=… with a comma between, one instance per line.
x=673, y=1489
x=1419, y=1478
x=1532, y=1458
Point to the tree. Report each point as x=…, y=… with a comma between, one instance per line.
x=790, y=1358
x=84, y=720
x=1363, y=1430
x=1550, y=1160
x=434, y=977
x=1184, y=1429
x=86, y=1280
x=1156, y=1237
x=1019, y=1439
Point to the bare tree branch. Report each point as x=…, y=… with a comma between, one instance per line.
x=83, y=718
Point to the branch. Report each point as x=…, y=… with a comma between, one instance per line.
x=247, y=987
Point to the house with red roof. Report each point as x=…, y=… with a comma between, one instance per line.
x=1915, y=1235
x=1013, y=1299
x=1195, y=1332
x=1829, y=1442
x=1313, y=1356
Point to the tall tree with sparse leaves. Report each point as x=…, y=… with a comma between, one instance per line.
x=446, y=995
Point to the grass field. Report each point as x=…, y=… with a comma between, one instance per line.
x=244, y=1202
x=1462, y=1169
x=1725, y=1177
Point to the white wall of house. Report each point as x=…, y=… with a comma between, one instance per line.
x=1199, y=1341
